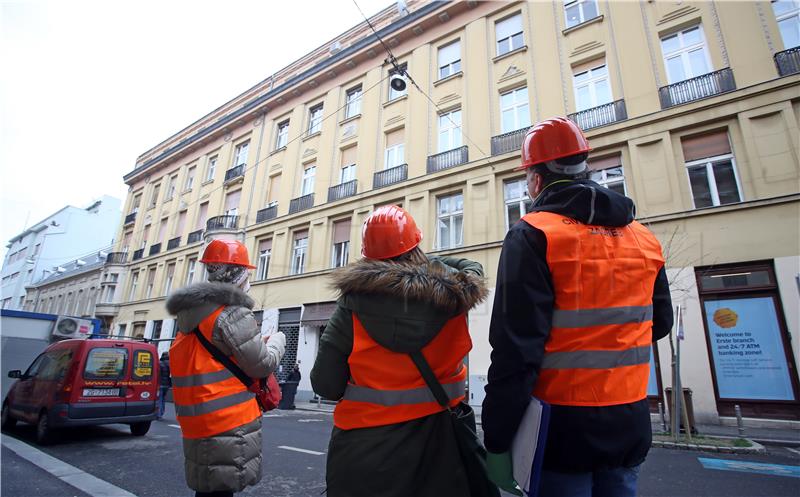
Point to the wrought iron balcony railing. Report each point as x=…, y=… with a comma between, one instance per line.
x=174, y=243
x=697, y=88
x=138, y=254
x=226, y=222
x=116, y=257
x=194, y=237
x=601, y=115
x=448, y=159
x=154, y=249
x=267, y=213
x=301, y=203
x=390, y=176
x=130, y=218
x=508, y=142
x=234, y=172
x=788, y=61
x=342, y=190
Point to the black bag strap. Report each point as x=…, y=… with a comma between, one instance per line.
x=430, y=378
x=225, y=360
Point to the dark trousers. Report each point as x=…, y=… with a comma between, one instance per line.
x=213, y=494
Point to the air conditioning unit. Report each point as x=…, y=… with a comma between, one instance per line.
x=69, y=327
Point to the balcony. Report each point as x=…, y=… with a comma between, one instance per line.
x=301, y=203
x=267, y=213
x=788, y=61
x=138, y=254
x=116, y=257
x=130, y=218
x=508, y=142
x=154, y=249
x=448, y=159
x=342, y=190
x=174, y=243
x=234, y=173
x=390, y=176
x=194, y=237
x=600, y=116
x=226, y=222
x=707, y=85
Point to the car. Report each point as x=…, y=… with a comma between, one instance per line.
x=85, y=382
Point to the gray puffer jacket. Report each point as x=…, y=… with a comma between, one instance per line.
x=229, y=461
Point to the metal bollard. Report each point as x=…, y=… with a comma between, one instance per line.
x=319, y=401
x=663, y=417
x=739, y=422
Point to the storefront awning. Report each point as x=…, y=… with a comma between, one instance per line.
x=317, y=314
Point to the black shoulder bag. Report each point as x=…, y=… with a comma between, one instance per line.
x=472, y=451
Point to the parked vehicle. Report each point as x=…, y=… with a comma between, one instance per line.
x=85, y=382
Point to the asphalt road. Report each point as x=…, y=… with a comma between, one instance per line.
x=295, y=443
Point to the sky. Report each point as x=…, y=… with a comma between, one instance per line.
x=88, y=85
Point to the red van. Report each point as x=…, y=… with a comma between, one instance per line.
x=86, y=382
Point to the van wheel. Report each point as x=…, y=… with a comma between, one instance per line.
x=140, y=429
x=44, y=430
x=8, y=422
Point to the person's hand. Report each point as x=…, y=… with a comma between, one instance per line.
x=276, y=346
x=500, y=472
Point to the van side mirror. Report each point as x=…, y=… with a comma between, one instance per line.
x=15, y=373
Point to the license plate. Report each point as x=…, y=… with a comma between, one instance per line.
x=101, y=392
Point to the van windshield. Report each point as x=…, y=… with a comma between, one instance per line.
x=105, y=364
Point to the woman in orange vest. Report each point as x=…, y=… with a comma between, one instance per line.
x=220, y=419
x=391, y=438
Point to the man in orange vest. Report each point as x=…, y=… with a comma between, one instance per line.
x=220, y=419
x=581, y=295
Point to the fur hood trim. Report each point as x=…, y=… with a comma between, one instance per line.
x=205, y=293
x=441, y=286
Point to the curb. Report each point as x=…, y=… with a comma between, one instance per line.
x=757, y=448
x=313, y=409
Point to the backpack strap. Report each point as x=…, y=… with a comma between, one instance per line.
x=225, y=360
x=430, y=378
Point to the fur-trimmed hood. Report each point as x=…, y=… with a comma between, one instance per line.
x=191, y=304
x=445, y=288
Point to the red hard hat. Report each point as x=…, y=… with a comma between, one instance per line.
x=388, y=232
x=552, y=139
x=226, y=252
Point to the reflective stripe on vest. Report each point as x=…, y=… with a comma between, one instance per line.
x=598, y=350
x=209, y=399
x=387, y=388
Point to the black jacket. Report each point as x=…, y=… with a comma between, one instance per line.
x=580, y=439
x=163, y=370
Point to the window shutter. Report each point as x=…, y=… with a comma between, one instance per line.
x=605, y=162
x=264, y=245
x=274, y=184
x=703, y=146
x=449, y=53
x=349, y=156
x=181, y=223
x=299, y=235
x=341, y=231
x=232, y=200
x=395, y=137
x=508, y=27
x=201, y=216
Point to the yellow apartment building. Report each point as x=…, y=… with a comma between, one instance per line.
x=692, y=109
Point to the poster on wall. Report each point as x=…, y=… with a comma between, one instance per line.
x=746, y=344
x=652, y=384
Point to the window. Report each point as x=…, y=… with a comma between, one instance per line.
x=450, y=221
x=315, y=119
x=202, y=215
x=685, y=55
x=137, y=201
x=348, y=171
x=134, y=283
x=787, y=14
x=515, y=193
x=591, y=88
x=283, y=134
x=191, y=265
x=274, y=186
x=151, y=279
x=181, y=224
x=264, y=255
x=607, y=172
x=578, y=11
x=189, y=179
x=169, y=278
x=299, y=251
x=395, y=153
x=154, y=196
x=211, y=168
x=162, y=230
x=394, y=74
x=514, y=110
x=110, y=291
x=232, y=202
x=450, y=130
x=341, y=243
x=307, y=186
x=173, y=180
x=105, y=363
x=711, y=169
x=145, y=235
x=240, y=154
x=508, y=33
x=353, y=104
x=449, y=59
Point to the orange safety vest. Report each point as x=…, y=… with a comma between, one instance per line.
x=387, y=388
x=598, y=351
x=209, y=399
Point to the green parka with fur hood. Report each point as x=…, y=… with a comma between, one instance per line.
x=402, y=307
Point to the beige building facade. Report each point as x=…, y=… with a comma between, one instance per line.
x=692, y=110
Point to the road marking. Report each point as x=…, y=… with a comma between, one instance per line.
x=750, y=467
x=273, y=415
x=309, y=421
x=793, y=450
x=175, y=426
x=79, y=479
x=305, y=451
